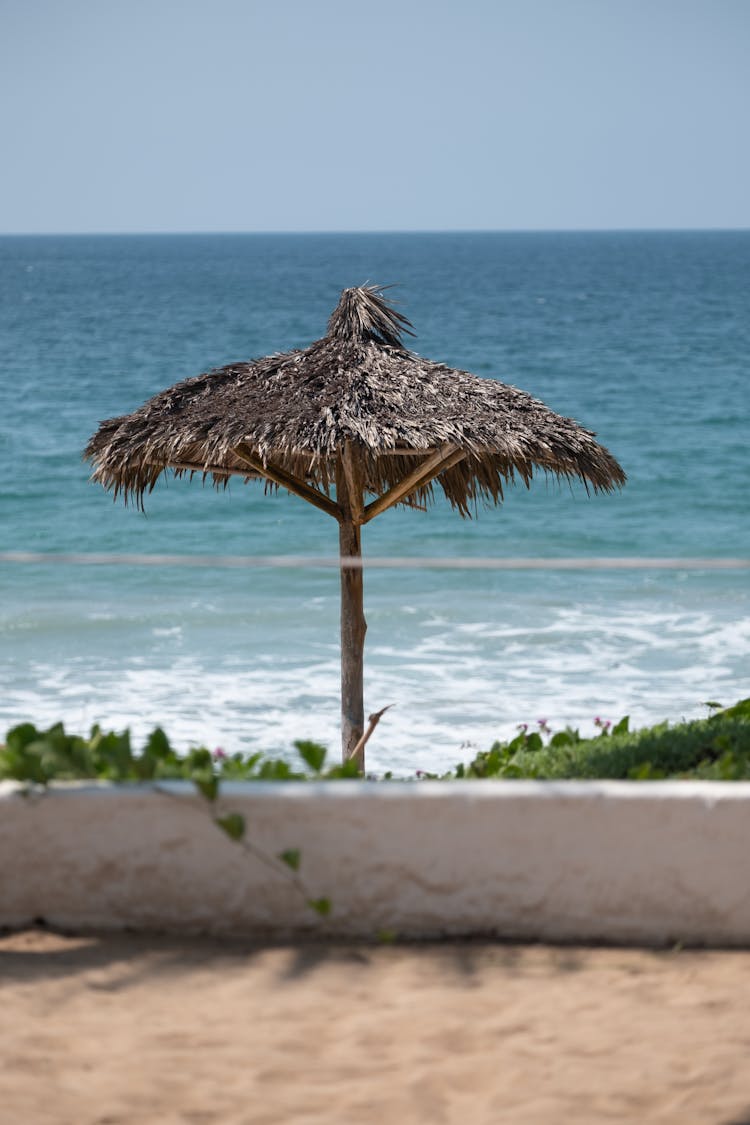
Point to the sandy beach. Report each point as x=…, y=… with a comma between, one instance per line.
x=110, y=1029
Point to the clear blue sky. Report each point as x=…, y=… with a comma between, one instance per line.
x=210, y=115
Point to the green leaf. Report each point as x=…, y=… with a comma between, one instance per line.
x=291, y=857
x=739, y=710
x=321, y=906
x=233, y=824
x=206, y=784
x=520, y=742
x=346, y=769
x=562, y=738
x=114, y=754
x=646, y=771
x=623, y=726
x=157, y=745
x=276, y=769
x=712, y=705
x=729, y=767
x=312, y=753
x=18, y=738
x=199, y=758
x=515, y=771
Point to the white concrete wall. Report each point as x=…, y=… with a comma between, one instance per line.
x=646, y=862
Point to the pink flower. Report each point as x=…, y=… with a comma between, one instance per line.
x=219, y=754
x=523, y=727
x=544, y=726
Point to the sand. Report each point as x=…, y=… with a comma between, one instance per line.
x=146, y=1029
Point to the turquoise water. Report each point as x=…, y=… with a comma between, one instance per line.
x=644, y=338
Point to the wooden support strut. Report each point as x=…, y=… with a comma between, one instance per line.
x=444, y=458
x=287, y=480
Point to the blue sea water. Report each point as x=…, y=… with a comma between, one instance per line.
x=643, y=337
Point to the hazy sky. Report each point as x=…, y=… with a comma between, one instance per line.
x=209, y=115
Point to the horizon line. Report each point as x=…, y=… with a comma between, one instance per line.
x=371, y=231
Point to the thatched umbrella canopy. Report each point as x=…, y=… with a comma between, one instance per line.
x=354, y=414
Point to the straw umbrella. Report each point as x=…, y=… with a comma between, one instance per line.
x=354, y=424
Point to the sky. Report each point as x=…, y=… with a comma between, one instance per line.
x=309, y=115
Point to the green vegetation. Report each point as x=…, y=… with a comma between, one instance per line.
x=41, y=756
x=715, y=748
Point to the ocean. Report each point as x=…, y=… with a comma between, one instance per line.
x=642, y=337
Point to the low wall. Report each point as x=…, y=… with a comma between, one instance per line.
x=634, y=862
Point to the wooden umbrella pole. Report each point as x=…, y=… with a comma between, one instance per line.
x=353, y=624
x=353, y=628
